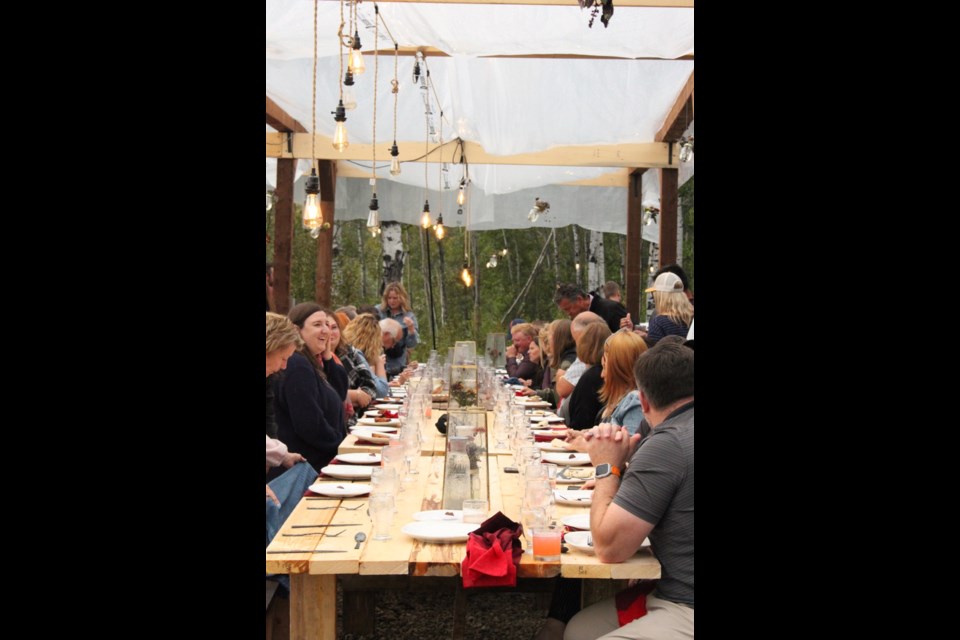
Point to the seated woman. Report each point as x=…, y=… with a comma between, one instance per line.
x=363, y=333
x=310, y=393
x=556, y=342
x=619, y=394
x=362, y=388
x=674, y=311
x=584, y=403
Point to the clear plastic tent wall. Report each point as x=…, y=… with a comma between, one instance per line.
x=507, y=105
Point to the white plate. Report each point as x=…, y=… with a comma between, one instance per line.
x=579, y=521
x=575, y=498
x=340, y=490
x=388, y=406
x=570, y=475
x=372, y=422
x=537, y=403
x=554, y=433
x=449, y=515
x=536, y=420
x=439, y=531
x=517, y=387
x=578, y=540
x=537, y=414
x=565, y=459
x=359, y=458
x=347, y=471
x=373, y=436
x=369, y=429
x=546, y=446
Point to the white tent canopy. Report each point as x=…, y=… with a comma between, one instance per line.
x=506, y=105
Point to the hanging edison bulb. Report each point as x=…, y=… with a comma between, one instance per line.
x=466, y=276
x=356, y=64
x=503, y=252
x=438, y=229
x=462, y=194
x=373, y=218
x=395, y=161
x=686, y=149
x=312, y=216
x=494, y=260
x=349, y=99
x=340, y=141
x=425, y=218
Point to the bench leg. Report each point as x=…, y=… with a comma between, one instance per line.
x=313, y=607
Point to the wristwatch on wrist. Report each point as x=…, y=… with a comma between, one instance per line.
x=604, y=470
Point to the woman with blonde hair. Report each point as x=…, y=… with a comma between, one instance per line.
x=584, y=401
x=674, y=311
x=619, y=390
x=361, y=386
x=396, y=306
x=363, y=332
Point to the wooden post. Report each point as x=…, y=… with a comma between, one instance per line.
x=313, y=607
x=328, y=185
x=668, y=216
x=283, y=234
x=633, y=294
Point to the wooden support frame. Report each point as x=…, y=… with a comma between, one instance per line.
x=327, y=172
x=283, y=234
x=633, y=293
x=668, y=216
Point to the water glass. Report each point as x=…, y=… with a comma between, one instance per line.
x=475, y=511
x=382, y=507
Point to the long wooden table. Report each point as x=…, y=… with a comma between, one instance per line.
x=313, y=574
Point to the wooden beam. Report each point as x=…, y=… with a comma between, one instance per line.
x=618, y=178
x=433, y=52
x=643, y=154
x=280, y=119
x=682, y=105
x=328, y=187
x=313, y=607
x=668, y=216
x=673, y=4
x=283, y=234
x=632, y=294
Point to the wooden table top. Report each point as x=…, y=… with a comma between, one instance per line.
x=402, y=555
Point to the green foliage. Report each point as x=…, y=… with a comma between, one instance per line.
x=357, y=270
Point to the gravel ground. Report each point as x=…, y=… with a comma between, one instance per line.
x=405, y=615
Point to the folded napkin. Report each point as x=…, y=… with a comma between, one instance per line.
x=632, y=601
x=493, y=553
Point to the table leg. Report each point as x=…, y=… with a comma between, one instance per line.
x=313, y=607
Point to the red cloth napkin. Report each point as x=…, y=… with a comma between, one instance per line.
x=632, y=601
x=493, y=554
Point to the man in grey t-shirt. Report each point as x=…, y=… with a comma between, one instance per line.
x=655, y=499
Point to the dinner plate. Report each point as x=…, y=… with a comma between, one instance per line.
x=373, y=436
x=546, y=446
x=571, y=475
x=575, y=498
x=567, y=459
x=347, y=471
x=359, y=458
x=440, y=532
x=549, y=419
x=579, y=521
x=388, y=406
x=372, y=422
x=340, y=490
x=449, y=515
x=536, y=403
x=370, y=429
x=578, y=540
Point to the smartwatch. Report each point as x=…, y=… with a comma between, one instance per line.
x=604, y=470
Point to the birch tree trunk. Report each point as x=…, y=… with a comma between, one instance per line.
x=576, y=255
x=595, y=264
x=443, y=283
x=392, y=254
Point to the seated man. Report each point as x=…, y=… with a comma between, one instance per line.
x=393, y=346
x=655, y=498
